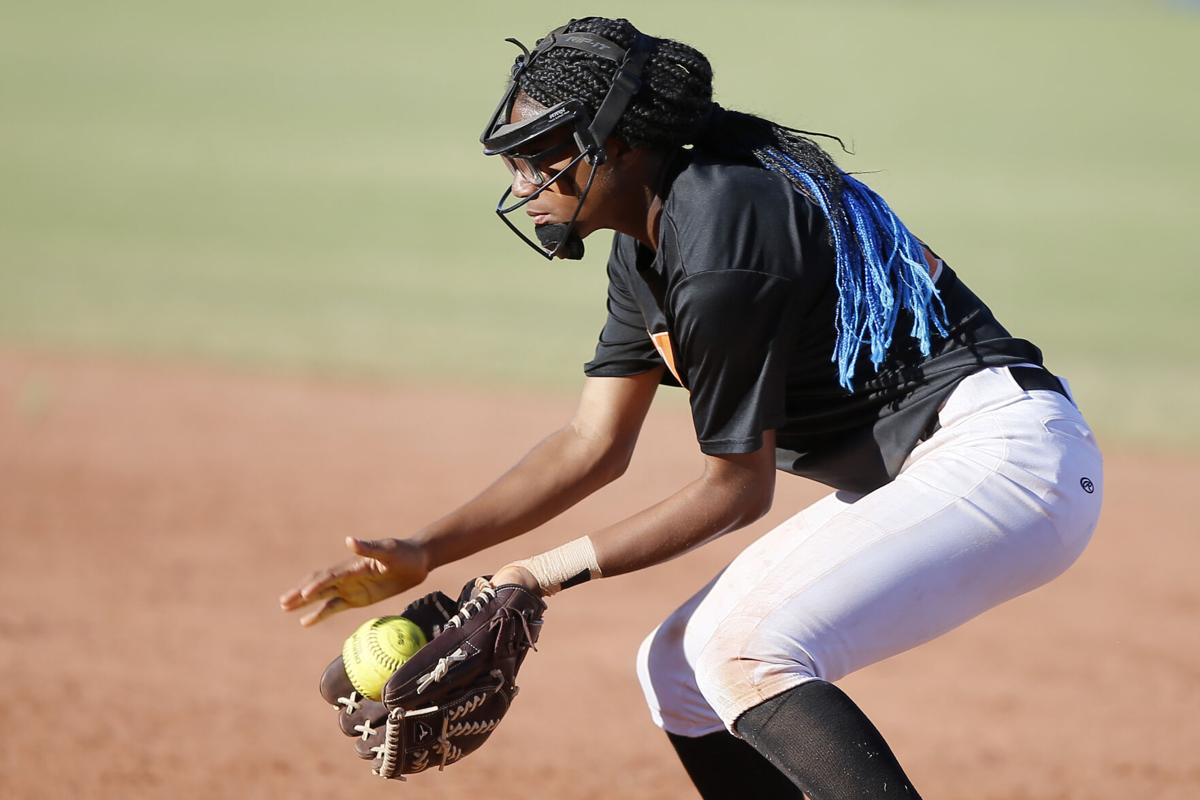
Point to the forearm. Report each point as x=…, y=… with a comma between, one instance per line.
x=559, y=472
x=696, y=514
x=732, y=496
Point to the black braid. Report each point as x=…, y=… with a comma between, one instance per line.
x=674, y=107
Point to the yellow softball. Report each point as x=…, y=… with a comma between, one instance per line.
x=377, y=649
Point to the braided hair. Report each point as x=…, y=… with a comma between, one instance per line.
x=880, y=264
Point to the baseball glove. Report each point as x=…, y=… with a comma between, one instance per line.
x=446, y=700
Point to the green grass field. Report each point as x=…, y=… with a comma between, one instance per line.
x=298, y=186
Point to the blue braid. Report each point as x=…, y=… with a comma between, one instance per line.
x=880, y=268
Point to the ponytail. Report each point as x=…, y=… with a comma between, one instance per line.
x=880, y=264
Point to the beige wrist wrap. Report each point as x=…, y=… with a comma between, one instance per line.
x=565, y=566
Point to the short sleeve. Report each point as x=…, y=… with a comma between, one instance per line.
x=624, y=347
x=735, y=332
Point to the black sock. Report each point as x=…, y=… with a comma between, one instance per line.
x=723, y=767
x=817, y=737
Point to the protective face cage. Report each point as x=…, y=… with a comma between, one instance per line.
x=516, y=143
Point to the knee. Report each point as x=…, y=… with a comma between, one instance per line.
x=645, y=667
x=660, y=657
x=669, y=685
x=742, y=666
x=726, y=667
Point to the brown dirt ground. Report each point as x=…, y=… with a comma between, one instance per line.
x=150, y=515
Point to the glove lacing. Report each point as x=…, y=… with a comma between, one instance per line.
x=486, y=595
x=352, y=703
x=365, y=729
x=439, y=671
x=505, y=613
x=393, y=738
x=393, y=746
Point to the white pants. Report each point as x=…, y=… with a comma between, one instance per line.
x=1001, y=499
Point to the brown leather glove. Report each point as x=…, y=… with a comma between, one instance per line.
x=446, y=700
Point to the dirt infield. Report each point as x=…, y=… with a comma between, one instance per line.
x=151, y=515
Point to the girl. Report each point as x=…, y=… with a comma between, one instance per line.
x=815, y=335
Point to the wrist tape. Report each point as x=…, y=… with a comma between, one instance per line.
x=563, y=567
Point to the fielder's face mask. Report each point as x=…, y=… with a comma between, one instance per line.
x=563, y=129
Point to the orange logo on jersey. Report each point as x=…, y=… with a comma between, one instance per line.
x=662, y=343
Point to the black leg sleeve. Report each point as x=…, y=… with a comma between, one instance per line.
x=723, y=767
x=820, y=739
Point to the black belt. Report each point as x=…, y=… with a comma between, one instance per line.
x=1030, y=378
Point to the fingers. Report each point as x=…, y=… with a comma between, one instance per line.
x=305, y=593
x=325, y=584
x=290, y=600
x=378, y=549
x=331, y=606
x=317, y=586
x=320, y=585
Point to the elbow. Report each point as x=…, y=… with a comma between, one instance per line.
x=609, y=470
x=747, y=503
x=754, y=506
x=764, y=507
x=742, y=486
x=612, y=466
x=606, y=460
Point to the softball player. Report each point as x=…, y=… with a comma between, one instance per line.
x=815, y=335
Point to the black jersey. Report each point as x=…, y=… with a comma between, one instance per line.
x=738, y=302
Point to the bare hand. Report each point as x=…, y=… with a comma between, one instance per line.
x=384, y=567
